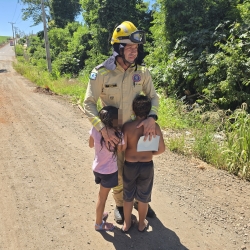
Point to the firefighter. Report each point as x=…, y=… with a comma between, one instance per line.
x=116, y=82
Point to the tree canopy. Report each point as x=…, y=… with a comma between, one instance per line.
x=200, y=47
x=60, y=11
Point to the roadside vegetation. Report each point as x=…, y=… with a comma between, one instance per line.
x=4, y=40
x=199, y=60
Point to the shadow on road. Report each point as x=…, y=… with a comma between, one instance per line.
x=3, y=70
x=157, y=237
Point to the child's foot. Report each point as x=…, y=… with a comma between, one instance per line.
x=104, y=226
x=142, y=228
x=125, y=228
x=105, y=216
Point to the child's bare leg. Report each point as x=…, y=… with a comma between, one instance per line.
x=142, y=211
x=127, y=209
x=100, y=205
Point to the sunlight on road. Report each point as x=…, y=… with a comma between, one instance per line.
x=7, y=53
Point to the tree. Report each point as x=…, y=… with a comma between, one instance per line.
x=60, y=11
x=200, y=54
x=103, y=16
x=33, y=10
x=228, y=69
x=64, y=12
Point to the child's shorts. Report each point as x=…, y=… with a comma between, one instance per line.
x=138, y=180
x=106, y=180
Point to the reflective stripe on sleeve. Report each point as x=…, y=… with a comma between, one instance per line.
x=95, y=121
x=142, y=68
x=155, y=109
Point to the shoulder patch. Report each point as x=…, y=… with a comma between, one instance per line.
x=136, y=77
x=93, y=76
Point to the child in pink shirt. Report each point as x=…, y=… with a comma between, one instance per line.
x=105, y=164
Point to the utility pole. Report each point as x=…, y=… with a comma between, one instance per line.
x=16, y=33
x=13, y=36
x=46, y=40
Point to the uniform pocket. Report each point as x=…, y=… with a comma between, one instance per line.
x=137, y=88
x=111, y=93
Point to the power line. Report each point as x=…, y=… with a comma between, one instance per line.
x=15, y=11
x=18, y=16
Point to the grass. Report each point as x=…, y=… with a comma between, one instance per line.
x=195, y=132
x=75, y=88
x=237, y=148
x=169, y=114
x=218, y=137
x=4, y=39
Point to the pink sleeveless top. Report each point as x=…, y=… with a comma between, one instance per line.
x=104, y=161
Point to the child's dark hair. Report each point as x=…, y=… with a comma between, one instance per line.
x=109, y=117
x=141, y=105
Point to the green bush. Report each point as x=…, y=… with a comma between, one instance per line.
x=19, y=50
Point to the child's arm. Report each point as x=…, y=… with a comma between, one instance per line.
x=124, y=145
x=161, y=148
x=91, y=142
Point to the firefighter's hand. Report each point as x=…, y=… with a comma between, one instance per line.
x=109, y=137
x=149, y=128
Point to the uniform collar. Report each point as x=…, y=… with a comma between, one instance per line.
x=121, y=68
x=111, y=63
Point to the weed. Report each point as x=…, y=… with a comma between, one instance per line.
x=237, y=148
x=75, y=88
x=177, y=144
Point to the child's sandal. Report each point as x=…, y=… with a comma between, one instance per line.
x=105, y=216
x=104, y=226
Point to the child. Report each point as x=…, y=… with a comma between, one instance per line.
x=138, y=171
x=105, y=164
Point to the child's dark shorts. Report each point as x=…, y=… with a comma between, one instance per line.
x=106, y=180
x=138, y=180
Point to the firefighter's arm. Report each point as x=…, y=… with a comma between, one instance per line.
x=149, y=90
x=93, y=93
x=149, y=123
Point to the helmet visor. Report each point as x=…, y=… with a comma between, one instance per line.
x=138, y=37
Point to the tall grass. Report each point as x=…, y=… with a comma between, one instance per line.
x=237, y=147
x=197, y=133
x=169, y=115
x=75, y=88
x=206, y=148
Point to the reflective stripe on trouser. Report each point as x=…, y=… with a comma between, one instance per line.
x=118, y=190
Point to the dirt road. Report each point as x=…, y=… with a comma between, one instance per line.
x=47, y=191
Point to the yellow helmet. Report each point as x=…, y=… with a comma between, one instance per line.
x=126, y=32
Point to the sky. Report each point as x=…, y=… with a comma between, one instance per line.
x=11, y=12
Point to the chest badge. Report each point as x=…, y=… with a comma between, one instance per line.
x=136, y=78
